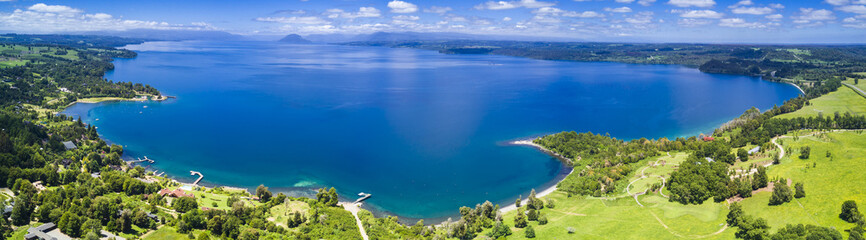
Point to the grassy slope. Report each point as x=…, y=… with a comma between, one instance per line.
x=842, y=100
x=165, y=233
x=623, y=218
x=827, y=182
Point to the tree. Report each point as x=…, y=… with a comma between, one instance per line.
x=184, y=204
x=855, y=235
x=532, y=215
x=203, y=236
x=743, y=154
x=734, y=215
x=263, y=193
x=520, y=219
x=798, y=190
x=232, y=200
x=752, y=229
x=744, y=187
x=550, y=203
x=781, y=194
x=91, y=226
x=530, y=233
x=517, y=202
x=850, y=213
x=760, y=180
x=499, y=230
x=804, y=152
x=22, y=210
x=534, y=202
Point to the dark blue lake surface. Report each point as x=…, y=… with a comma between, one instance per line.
x=422, y=131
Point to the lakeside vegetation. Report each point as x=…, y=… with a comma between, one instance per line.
x=692, y=187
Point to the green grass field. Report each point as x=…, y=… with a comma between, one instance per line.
x=842, y=100
x=165, y=233
x=278, y=214
x=622, y=218
x=828, y=181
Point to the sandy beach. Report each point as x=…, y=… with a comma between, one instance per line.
x=523, y=202
x=545, y=192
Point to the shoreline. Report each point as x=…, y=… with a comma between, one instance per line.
x=548, y=190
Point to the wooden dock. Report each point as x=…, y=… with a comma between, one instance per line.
x=200, y=176
x=364, y=196
x=142, y=160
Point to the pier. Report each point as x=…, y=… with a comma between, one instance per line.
x=142, y=160
x=363, y=197
x=200, y=176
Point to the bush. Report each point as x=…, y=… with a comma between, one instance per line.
x=850, y=213
x=798, y=190
x=542, y=220
x=804, y=152
x=735, y=214
x=570, y=230
x=781, y=194
x=530, y=233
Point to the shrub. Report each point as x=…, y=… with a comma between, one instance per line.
x=850, y=213
x=530, y=233
x=781, y=194
x=798, y=190
x=570, y=230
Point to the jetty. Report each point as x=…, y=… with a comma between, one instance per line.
x=363, y=196
x=200, y=176
x=142, y=160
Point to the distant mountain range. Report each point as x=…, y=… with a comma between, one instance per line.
x=294, y=38
x=180, y=35
x=168, y=35
x=418, y=36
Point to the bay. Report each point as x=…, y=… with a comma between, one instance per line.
x=423, y=132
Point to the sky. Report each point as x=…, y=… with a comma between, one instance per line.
x=708, y=21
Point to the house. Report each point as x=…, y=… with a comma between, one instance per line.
x=46, y=231
x=754, y=150
x=38, y=185
x=176, y=193
x=66, y=162
x=69, y=145
x=708, y=139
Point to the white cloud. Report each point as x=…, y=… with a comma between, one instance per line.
x=640, y=19
x=42, y=18
x=836, y=2
x=646, y=3
x=858, y=9
x=740, y=23
x=506, y=19
x=363, y=12
x=406, y=17
x=692, y=3
x=810, y=17
x=625, y=1
x=776, y=5
x=398, y=6
x=775, y=17
x=618, y=10
x=693, y=22
x=743, y=3
x=438, y=10
x=752, y=10
x=699, y=14
x=853, y=22
x=502, y=5
x=59, y=9
x=311, y=20
x=552, y=11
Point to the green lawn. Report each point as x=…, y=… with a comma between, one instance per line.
x=166, y=233
x=622, y=217
x=842, y=100
x=278, y=214
x=828, y=181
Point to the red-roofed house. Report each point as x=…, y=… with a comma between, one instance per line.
x=176, y=193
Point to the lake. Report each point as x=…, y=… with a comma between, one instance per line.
x=423, y=132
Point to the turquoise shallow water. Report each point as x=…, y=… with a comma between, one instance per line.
x=422, y=131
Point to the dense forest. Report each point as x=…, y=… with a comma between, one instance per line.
x=773, y=62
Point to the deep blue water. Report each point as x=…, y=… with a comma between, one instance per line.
x=422, y=131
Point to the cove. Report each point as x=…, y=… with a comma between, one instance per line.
x=422, y=131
